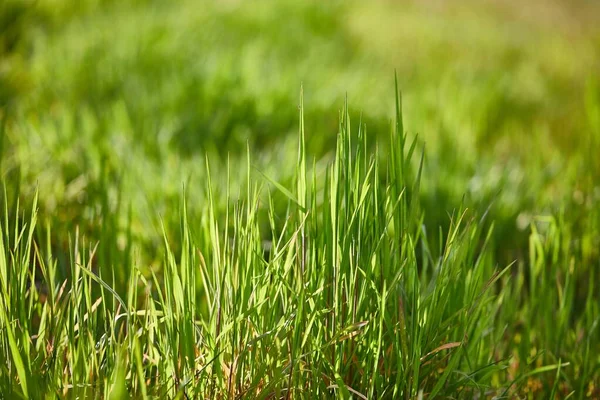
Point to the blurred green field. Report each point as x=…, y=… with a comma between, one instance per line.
x=114, y=112
x=503, y=97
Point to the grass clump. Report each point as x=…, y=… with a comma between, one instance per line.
x=326, y=263
x=341, y=295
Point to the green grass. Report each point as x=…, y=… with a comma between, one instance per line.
x=171, y=227
x=350, y=299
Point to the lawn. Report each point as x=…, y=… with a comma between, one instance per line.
x=290, y=199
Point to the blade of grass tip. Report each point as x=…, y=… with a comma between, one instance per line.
x=412, y=148
x=283, y=190
x=445, y=346
x=301, y=166
x=17, y=235
x=399, y=120
x=414, y=201
x=400, y=131
x=32, y=226
x=488, y=284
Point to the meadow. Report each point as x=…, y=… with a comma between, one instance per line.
x=225, y=199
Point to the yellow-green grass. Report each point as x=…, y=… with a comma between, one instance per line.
x=329, y=263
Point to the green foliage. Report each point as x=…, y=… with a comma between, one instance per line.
x=186, y=242
x=349, y=298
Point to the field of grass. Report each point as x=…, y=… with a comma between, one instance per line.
x=292, y=199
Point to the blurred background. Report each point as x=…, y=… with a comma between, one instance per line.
x=109, y=108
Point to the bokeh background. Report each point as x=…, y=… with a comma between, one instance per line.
x=110, y=108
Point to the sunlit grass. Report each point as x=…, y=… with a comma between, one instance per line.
x=346, y=297
x=172, y=228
